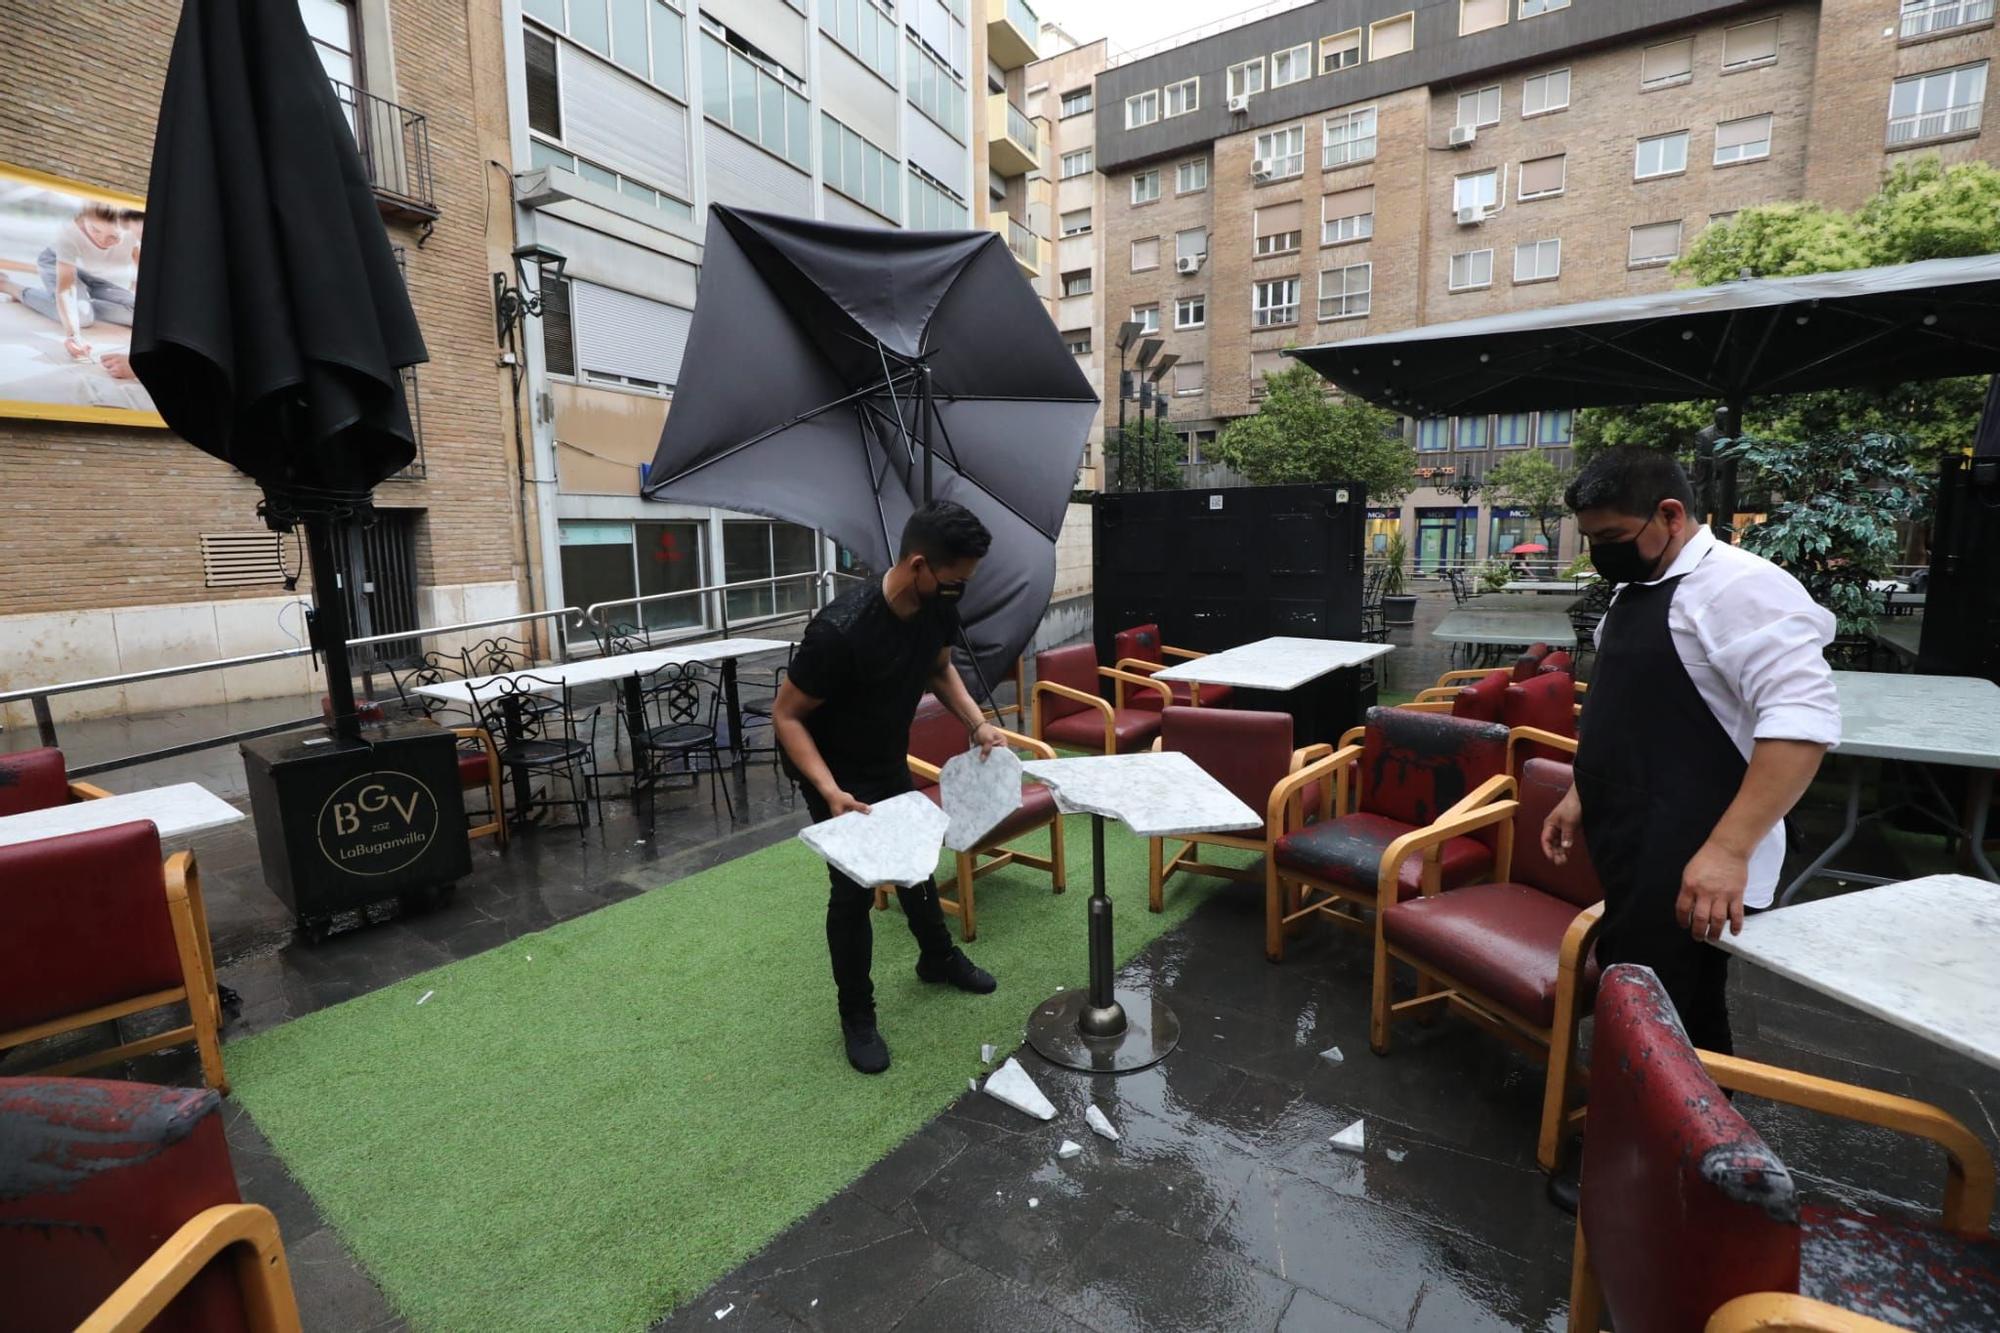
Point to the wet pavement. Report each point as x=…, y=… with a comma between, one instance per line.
x=1222, y=1207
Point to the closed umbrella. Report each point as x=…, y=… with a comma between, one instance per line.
x=836, y=377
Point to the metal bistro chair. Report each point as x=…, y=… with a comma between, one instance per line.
x=544, y=735
x=432, y=668
x=682, y=708
x=503, y=655
x=758, y=701
x=478, y=752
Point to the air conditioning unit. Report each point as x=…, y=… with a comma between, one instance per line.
x=1188, y=264
x=1263, y=169
x=1240, y=102
x=1471, y=216
x=1461, y=136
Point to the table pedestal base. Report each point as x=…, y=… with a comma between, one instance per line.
x=1144, y=1031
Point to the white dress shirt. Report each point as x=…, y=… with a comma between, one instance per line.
x=1753, y=642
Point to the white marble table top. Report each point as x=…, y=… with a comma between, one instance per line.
x=896, y=842
x=1475, y=624
x=1930, y=719
x=589, y=670
x=1547, y=587
x=1155, y=795
x=1278, y=663
x=1919, y=955
x=978, y=793
x=183, y=808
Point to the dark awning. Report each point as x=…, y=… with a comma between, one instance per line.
x=1921, y=321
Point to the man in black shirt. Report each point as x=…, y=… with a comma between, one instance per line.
x=843, y=718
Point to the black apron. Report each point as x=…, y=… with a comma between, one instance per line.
x=1655, y=772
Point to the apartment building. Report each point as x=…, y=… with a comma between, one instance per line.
x=1011, y=142
x=629, y=118
x=123, y=548
x=1352, y=167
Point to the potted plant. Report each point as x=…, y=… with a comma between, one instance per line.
x=1398, y=606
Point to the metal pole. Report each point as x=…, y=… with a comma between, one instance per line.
x=1105, y=1017
x=924, y=422
x=329, y=626
x=1730, y=418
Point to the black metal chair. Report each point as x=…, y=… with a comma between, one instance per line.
x=757, y=709
x=540, y=733
x=682, y=708
x=432, y=668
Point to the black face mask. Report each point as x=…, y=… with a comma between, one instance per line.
x=949, y=592
x=1621, y=562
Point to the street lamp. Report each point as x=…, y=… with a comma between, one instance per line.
x=538, y=266
x=1128, y=333
x=1156, y=377
x=1465, y=485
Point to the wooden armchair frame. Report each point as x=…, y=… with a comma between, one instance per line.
x=1161, y=868
x=86, y=791
x=1119, y=679
x=248, y=1233
x=1516, y=736
x=197, y=990
x=984, y=860
x=1018, y=674
x=1968, y=1192
x=1139, y=666
x=496, y=826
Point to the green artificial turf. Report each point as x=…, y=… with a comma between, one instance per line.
x=584, y=1128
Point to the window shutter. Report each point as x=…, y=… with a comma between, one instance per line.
x=1736, y=133
x=1542, y=174
x=544, y=93
x=1276, y=219
x=1390, y=37
x=1478, y=15
x=1190, y=377
x=1146, y=253
x=1348, y=203
x=558, y=337
x=618, y=333
x=1668, y=60
x=1655, y=240
x=1189, y=244
x=1751, y=42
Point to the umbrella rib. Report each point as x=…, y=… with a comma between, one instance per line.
x=986, y=490
x=875, y=481
x=762, y=436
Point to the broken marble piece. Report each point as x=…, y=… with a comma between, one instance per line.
x=1332, y=1055
x=1011, y=1084
x=1153, y=794
x=1100, y=1123
x=897, y=842
x=1034, y=1203
x=1397, y=1154
x=986, y=1053
x=724, y=1312
x=978, y=794
x=1070, y=1148
x=1352, y=1139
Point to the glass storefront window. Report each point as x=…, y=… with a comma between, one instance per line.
x=608, y=562
x=753, y=549
x=1382, y=525
x=1445, y=538
x=669, y=559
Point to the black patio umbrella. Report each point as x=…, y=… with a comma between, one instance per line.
x=837, y=376
x=272, y=323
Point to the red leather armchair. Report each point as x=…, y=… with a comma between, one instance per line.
x=1069, y=712
x=119, y=1211
x=935, y=736
x=39, y=780
x=1688, y=1219
x=1514, y=954
x=1140, y=651
x=96, y=929
x=1410, y=770
x=1540, y=716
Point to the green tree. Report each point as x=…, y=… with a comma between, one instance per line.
x=1530, y=481
x=1299, y=434
x=1151, y=458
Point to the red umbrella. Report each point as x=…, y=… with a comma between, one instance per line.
x=1528, y=548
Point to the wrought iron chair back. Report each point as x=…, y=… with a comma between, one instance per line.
x=433, y=668
x=498, y=655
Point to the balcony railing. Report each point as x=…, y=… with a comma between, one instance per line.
x=1025, y=244
x=395, y=144
x=1019, y=127
x=1934, y=124
x=1940, y=15
x=1013, y=32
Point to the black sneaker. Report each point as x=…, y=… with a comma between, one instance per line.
x=866, y=1050
x=957, y=970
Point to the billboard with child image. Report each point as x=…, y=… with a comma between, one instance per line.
x=69, y=266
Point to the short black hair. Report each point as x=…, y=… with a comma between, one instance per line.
x=1629, y=479
x=944, y=534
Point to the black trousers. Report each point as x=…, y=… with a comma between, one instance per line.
x=850, y=938
x=1694, y=975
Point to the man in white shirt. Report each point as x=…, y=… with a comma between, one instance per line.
x=1709, y=708
x=89, y=274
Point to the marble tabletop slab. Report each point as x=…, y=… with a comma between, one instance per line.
x=1278, y=663
x=183, y=808
x=610, y=666
x=896, y=842
x=1547, y=587
x=1473, y=623
x=1154, y=794
x=1930, y=719
x=1918, y=955
x=977, y=794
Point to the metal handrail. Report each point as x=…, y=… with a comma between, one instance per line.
x=591, y=613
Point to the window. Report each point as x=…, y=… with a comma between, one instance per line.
x=558, y=333
x=1145, y=254
x=1923, y=17
x=648, y=39
x=1661, y=155
x=1667, y=64
x=1545, y=92
x=1480, y=108
x=1350, y=138
x=1145, y=186
x=933, y=205
x=1473, y=435
x=1077, y=102
x=1554, y=426
x=1343, y=292
x=1347, y=216
x=1076, y=282
x=1190, y=312
x=1479, y=15
x=1292, y=66
x=868, y=32
x=1750, y=44
x=1340, y=52
x=1190, y=378
x=936, y=89
x=1433, y=435
x=1392, y=37
x=754, y=549
x=754, y=96
x=1076, y=222
x=1246, y=78
x=1077, y=164
x=1543, y=176
x=1284, y=150
x=1279, y=228
x=1147, y=317
x=1530, y=8
x=1743, y=140
x=1183, y=97
x=1510, y=430
x=1654, y=243
x=1478, y=189
x=1945, y=101
x=544, y=93
x=1262, y=364
x=1190, y=177
x=860, y=170
x=1474, y=268
x=605, y=562
x=1142, y=108
x=1274, y=302
x=1191, y=244
x=1538, y=261
x=1077, y=341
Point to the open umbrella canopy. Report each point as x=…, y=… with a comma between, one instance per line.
x=1528, y=548
x=1921, y=321
x=832, y=370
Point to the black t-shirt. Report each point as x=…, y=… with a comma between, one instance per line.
x=870, y=668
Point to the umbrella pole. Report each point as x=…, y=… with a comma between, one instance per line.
x=329, y=626
x=924, y=410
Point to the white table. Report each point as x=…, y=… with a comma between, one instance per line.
x=1918, y=954
x=1472, y=623
x=1548, y=587
x=1950, y=720
x=1277, y=664
x=175, y=811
